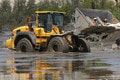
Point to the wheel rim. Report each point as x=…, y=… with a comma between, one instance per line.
x=23, y=48
x=81, y=48
x=55, y=48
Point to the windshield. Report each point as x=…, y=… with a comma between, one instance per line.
x=42, y=20
x=47, y=20
x=58, y=19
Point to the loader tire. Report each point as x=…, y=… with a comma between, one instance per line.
x=24, y=45
x=118, y=42
x=83, y=46
x=58, y=44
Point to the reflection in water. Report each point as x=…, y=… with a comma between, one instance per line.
x=54, y=67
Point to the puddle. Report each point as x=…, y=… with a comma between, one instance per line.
x=99, y=65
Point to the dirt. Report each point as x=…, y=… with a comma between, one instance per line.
x=97, y=65
x=102, y=63
x=112, y=37
x=104, y=44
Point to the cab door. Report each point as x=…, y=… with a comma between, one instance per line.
x=48, y=27
x=45, y=22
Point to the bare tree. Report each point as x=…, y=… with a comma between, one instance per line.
x=5, y=11
x=19, y=10
x=30, y=8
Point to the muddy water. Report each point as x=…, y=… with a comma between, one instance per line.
x=100, y=65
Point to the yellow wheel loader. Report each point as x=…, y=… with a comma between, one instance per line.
x=45, y=32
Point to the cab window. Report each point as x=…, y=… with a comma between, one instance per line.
x=42, y=20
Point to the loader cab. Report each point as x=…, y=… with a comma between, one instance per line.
x=46, y=19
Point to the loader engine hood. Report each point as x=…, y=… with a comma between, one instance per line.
x=21, y=29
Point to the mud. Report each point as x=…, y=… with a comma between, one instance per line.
x=103, y=63
x=100, y=65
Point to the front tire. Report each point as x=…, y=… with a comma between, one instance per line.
x=58, y=44
x=82, y=46
x=24, y=45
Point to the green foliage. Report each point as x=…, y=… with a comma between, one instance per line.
x=19, y=11
x=23, y=8
x=30, y=8
x=5, y=9
x=115, y=12
x=86, y=4
x=53, y=6
x=68, y=8
x=103, y=4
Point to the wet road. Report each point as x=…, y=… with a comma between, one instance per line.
x=100, y=65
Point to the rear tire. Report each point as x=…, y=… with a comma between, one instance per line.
x=24, y=45
x=58, y=44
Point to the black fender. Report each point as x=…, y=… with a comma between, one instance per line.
x=29, y=35
x=59, y=35
x=53, y=36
